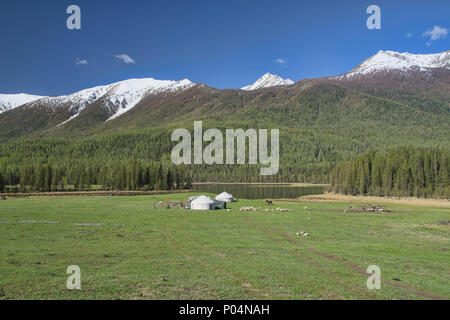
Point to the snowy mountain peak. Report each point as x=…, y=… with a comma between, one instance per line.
x=11, y=101
x=117, y=98
x=391, y=60
x=268, y=80
x=127, y=94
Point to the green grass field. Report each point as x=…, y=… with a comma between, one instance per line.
x=126, y=249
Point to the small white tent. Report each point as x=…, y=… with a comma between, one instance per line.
x=224, y=196
x=202, y=203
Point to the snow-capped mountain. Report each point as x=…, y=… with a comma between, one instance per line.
x=11, y=101
x=117, y=98
x=402, y=62
x=127, y=94
x=268, y=80
x=383, y=73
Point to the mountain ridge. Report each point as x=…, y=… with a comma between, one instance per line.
x=138, y=103
x=268, y=80
x=12, y=101
x=388, y=61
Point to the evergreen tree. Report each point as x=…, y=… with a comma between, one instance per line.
x=160, y=183
x=169, y=180
x=2, y=183
x=189, y=182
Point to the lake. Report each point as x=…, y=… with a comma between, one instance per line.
x=260, y=191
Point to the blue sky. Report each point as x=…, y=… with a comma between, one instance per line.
x=225, y=44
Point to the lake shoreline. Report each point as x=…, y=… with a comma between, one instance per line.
x=261, y=190
x=295, y=184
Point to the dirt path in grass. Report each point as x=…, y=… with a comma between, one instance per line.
x=206, y=249
x=333, y=197
x=243, y=283
x=337, y=279
x=222, y=256
x=352, y=266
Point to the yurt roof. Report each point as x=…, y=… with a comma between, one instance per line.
x=225, y=195
x=203, y=200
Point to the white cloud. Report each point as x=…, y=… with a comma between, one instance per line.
x=436, y=33
x=409, y=35
x=281, y=61
x=125, y=58
x=81, y=62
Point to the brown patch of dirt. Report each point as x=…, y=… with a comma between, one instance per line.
x=334, y=197
x=145, y=294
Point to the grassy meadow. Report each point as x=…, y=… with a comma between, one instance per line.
x=127, y=249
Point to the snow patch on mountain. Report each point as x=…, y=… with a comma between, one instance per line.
x=403, y=62
x=127, y=94
x=76, y=101
x=12, y=101
x=268, y=80
x=118, y=98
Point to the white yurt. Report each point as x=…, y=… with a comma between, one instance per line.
x=202, y=203
x=225, y=196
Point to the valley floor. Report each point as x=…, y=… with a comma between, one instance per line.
x=129, y=249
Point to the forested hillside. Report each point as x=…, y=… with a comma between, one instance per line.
x=322, y=122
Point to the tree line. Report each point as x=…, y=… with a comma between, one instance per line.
x=127, y=175
x=404, y=171
x=306, y=155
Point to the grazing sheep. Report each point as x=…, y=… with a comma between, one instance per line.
x=284, y=210
x=247, y=209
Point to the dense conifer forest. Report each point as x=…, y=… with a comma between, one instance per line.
x=400, y=172
x=321, y=124
x=127, y=161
